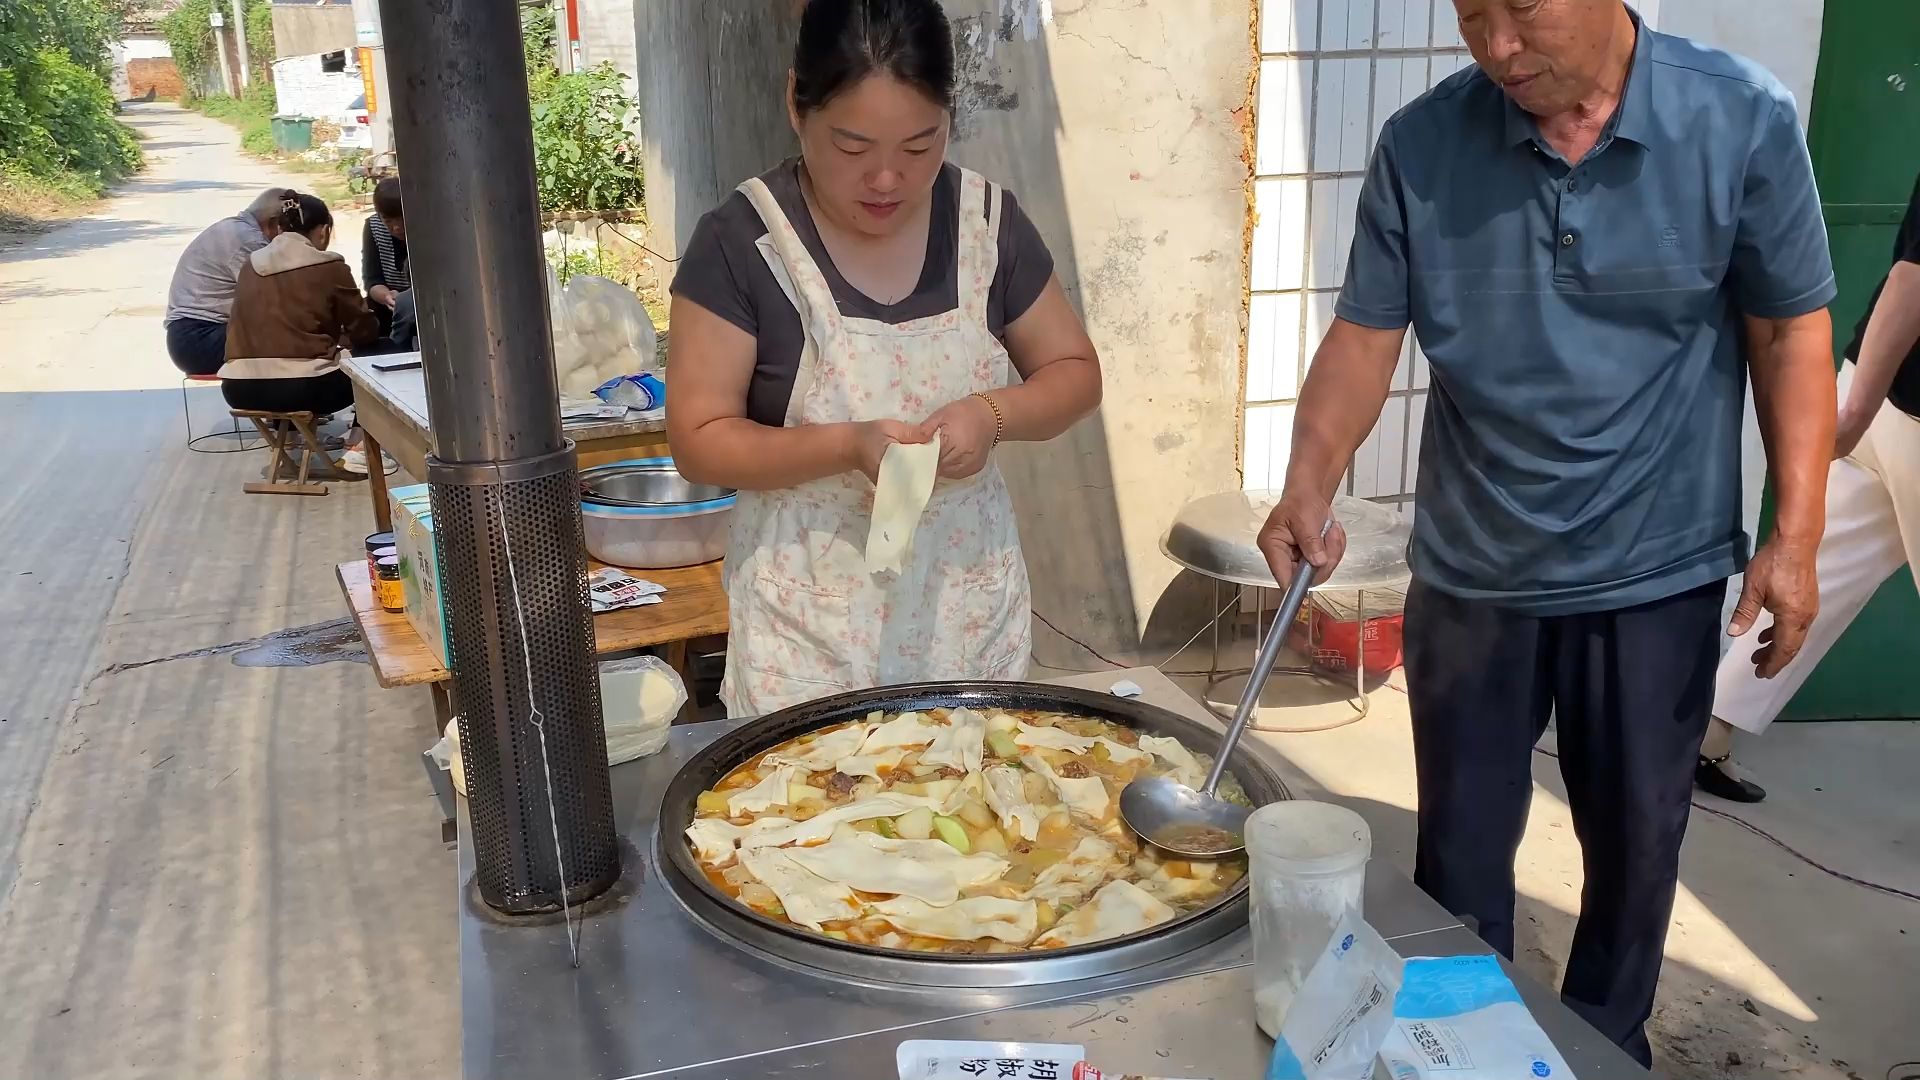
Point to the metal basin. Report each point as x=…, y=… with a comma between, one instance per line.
x=1218, y=537
x=652, y=482
x=791, y=945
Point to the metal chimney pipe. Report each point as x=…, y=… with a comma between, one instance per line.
x=505, y=491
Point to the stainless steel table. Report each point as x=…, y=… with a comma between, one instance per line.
x=657, y=995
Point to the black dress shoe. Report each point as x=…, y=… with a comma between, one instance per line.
x=1710, y=777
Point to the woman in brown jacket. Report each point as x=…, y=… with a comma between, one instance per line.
x=295, y=307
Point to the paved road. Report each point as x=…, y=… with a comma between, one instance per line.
x=84, y=302
x=206, y=869
x=84, y=306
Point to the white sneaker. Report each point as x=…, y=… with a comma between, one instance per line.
x=355, y=462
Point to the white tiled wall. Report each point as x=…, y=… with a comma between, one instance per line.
x=1331, y=73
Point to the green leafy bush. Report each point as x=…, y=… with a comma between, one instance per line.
x=189, y=32
x=251, y=112
x=539, y=37
x=56, y=112
x=584, y=156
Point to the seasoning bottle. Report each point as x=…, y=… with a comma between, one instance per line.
x=386, y=584
x=1306, y=864
x=378, y=544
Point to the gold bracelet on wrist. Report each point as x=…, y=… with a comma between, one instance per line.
x=999, y=419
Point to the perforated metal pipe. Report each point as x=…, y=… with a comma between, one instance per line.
x=505, y=495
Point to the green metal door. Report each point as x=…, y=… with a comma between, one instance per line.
x=1865, y=138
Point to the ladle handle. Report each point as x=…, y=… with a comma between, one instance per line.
x=1297, y=590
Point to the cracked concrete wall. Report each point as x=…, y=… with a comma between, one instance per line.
x=1119, y=126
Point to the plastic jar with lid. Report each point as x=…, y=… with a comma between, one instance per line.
x=1307, y=864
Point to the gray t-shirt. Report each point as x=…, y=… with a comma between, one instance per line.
x=204, y=277
x=724, y=272
x=1581, y=449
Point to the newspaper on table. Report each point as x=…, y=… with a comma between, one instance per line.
x=611, y=589
x=590, y=409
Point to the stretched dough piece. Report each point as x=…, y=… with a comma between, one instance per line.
x=1006, y=796
x=1086, y=796
x=906, y=730
x=822, y=752
x=1186, y=768
x=714, y=839
x=1051, y=738
x=871, y=764
x=926, y=870
x=970, y=919
x=961, y=744
x=907, y=473
x=1118, y=909
x=1081, y=872
x=764, y=795
x=808, y=898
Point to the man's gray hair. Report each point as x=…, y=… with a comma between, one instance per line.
x=266, y=206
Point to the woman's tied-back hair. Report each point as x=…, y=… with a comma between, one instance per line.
x=303, y=213
x=844, y=41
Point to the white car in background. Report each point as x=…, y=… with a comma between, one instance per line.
x=355, y=134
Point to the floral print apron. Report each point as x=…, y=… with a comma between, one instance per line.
x=808, y=620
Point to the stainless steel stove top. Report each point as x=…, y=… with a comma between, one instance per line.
x=660, y=994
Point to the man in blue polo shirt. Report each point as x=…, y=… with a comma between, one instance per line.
x=1598, y=234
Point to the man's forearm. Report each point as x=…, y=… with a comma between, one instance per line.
x=1340, y=403
x=1891, y=335
x=1793, y=392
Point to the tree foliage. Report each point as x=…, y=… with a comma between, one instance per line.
x=189, y=32
x=56, y=110
x=584, y=156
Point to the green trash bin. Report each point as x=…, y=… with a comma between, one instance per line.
x=299, y=134
x=279, y=133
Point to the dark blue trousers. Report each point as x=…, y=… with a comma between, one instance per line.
x=1630, y=692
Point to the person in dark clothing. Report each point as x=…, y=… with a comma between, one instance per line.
x=295, y=305
x=383, y=254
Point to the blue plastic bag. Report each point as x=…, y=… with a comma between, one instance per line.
x=645, y=391
x=1460, y=1018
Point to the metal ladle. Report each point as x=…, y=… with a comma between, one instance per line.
x=1200, y=824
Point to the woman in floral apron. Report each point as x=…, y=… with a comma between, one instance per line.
x=864, y=294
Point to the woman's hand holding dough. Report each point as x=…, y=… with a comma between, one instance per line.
x=871, y=439
x=966, y=429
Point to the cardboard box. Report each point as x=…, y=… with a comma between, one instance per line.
x=420, y=579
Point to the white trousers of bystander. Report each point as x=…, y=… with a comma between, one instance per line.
x=1873, y=529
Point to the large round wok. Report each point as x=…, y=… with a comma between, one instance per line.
x=735, y=921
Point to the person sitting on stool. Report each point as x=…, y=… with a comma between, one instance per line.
x=201, y=294
x=294, y=305
x=383, y=258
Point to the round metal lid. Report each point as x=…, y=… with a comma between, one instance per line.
x=1218, y=537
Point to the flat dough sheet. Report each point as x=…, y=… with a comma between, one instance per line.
x=907, y=473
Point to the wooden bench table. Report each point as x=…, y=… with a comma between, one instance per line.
x=695, y=606
x=391, y=407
